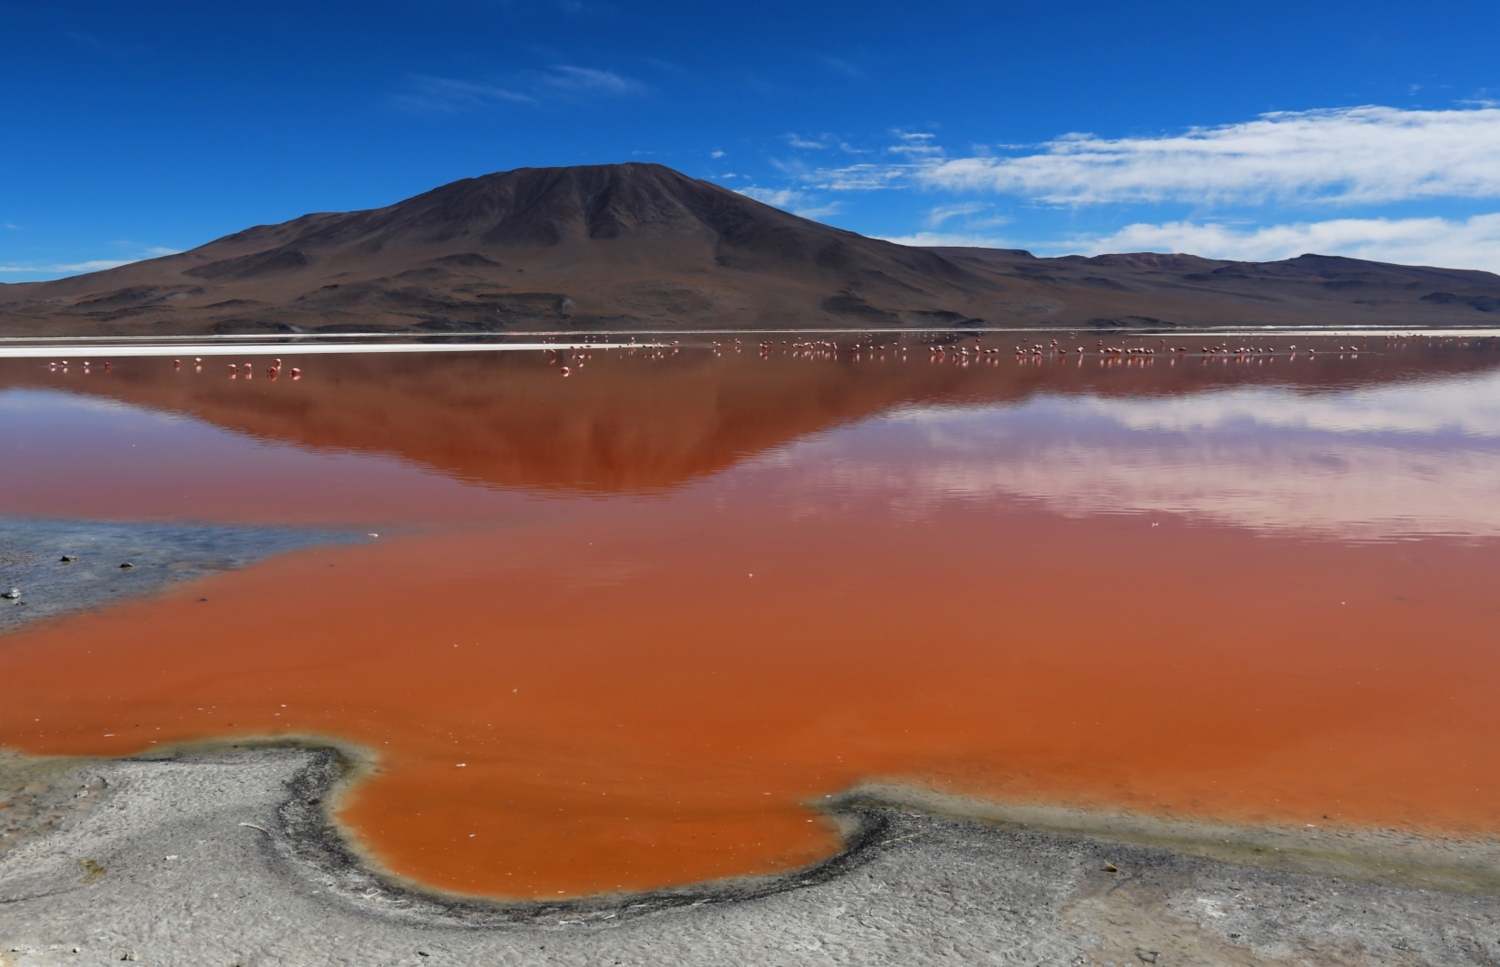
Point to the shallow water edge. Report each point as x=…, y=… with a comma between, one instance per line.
x=311, y=845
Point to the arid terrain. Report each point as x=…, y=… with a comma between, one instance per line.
x=640, y=246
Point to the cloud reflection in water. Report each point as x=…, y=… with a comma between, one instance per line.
x=1414, y=459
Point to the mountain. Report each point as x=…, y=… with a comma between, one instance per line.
x=643, y=246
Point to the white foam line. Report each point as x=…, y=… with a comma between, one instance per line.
x=299, y=339
x=100, y=353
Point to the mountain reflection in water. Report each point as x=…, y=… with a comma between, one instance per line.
x=656, y=608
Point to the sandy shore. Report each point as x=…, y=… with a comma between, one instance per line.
x=225, y=858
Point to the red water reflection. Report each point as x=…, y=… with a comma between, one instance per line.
x=583, y=694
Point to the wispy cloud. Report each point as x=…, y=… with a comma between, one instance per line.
x=110, y=48
x=1363, y=155
x=589, y=80
x=1353, y=155
x=1272, y=172
x=779, y=197
x=819, y=211
x=840, y=66
x=445, y=95
x=70, y=268
x=864, y=176
x=716, y=154
x=915, y=145
x=955, y=239
x=35, y=270
x=1472, y=243
x=943, y=213
x=788, y=199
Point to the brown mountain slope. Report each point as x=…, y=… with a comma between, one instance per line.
x=643, y=246
x=1148, y=289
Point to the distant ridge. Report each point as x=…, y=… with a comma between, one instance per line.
x=643, y=246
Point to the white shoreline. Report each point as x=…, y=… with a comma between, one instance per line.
x=124, y=350
x=189, y=860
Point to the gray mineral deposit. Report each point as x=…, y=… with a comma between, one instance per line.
x=58, y=566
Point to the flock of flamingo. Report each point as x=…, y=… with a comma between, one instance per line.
x=961, y=352
x=236, y=370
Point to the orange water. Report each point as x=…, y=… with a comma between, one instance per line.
x=586, y=672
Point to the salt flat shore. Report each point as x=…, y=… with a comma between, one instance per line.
x=224, y=855
x=225, y=858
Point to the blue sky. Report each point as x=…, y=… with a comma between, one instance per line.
x=1232, y=130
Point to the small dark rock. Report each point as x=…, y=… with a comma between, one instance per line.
x=68, y=558
x=126, y=566
x=11, y=595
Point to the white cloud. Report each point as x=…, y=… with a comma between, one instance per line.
x=589, y=80
x=444, y=95
x=797, y=141
x=1468, y=244
x=915, y=145
x=1366, y=154
x=716, y=154
x=34, y=271
x=957, y=239
x=942, y=213
x=70, y=268
x=863, y=177
x=780, y=197
x=840, y=66
x=789, y=199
